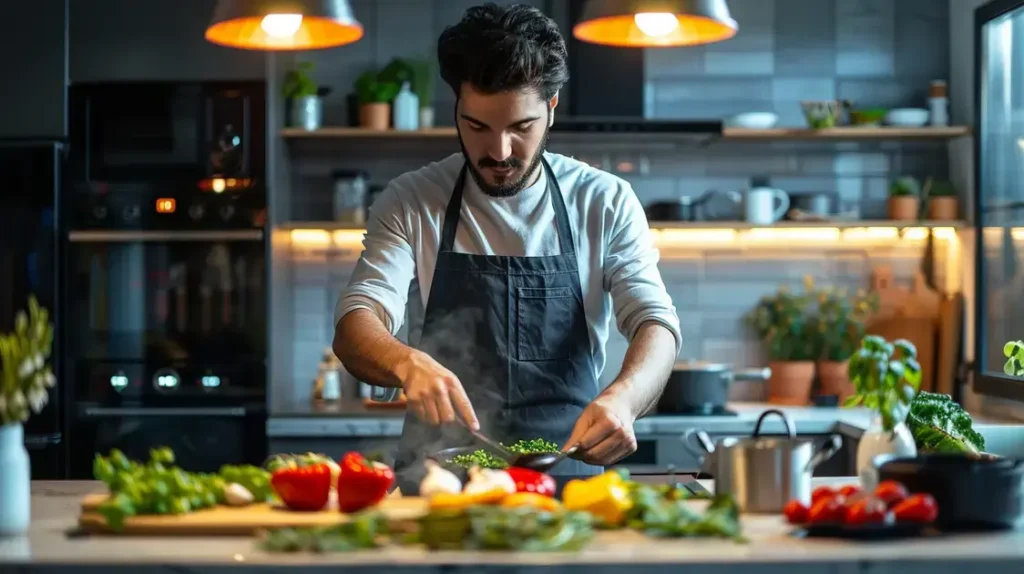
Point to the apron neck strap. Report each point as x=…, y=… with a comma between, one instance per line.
x=562, y=228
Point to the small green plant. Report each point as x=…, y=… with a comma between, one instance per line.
x=886, y=377
x=25, y=375
x=370, y=89
x=942, y=188
x=782, y=322
x=840, y=321
x=298, y=82
x=905, y=186
x=423, y=81
x=1014, y=353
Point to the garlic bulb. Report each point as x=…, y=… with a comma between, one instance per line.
x=489, y=480
x=237, y=495
x=439, y=480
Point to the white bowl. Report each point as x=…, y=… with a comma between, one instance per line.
x=907, y=117
x=754, y=120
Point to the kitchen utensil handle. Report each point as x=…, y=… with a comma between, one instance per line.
x=785, y=420
x=500, y=448
x=783, y=207
x=753, y=374
x=827, y=450
x=704, y=445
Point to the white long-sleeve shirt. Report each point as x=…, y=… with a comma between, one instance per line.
x=618, y=263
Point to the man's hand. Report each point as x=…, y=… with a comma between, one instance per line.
x=434, y=393
x=604, y=431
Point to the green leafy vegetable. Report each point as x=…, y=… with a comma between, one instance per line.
x=527, y=529
x=941, y=425
x=366, y=530
x=484, y=459
x=159, y=487
x=661, y=516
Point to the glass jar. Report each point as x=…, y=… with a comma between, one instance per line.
x=350, y=191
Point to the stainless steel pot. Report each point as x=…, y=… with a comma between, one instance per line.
x=762, y=473
x=700, y=387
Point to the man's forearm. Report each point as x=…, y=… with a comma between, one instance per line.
x=367, y=348
x=646, y=368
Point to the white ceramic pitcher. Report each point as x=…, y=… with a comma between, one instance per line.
x=760, y=205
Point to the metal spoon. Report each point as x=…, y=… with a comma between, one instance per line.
x=543, y=461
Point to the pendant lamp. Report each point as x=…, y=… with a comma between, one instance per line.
x=655, y=23
x=283, y=24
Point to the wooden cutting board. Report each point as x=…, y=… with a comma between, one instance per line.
x=908, y=313
x=237, y=521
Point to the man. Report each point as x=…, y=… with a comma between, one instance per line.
x=519, y=257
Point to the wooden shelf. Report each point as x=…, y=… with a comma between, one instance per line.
x=846, y=133
x=656, y=225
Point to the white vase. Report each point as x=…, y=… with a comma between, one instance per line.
x=426, y=118
x=15, y=481
x=877, y=441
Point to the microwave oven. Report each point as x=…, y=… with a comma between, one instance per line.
x=166, y=131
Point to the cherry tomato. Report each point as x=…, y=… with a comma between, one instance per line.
x=919, y=508
x=891, y=492
x=820, y=493
x=850, y=491
x=828, y=510
x=867, y=510
x=795, y=512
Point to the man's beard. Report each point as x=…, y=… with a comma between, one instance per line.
x=509, y=188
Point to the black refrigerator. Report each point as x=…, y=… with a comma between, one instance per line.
x=33, y=127
x=30, y=179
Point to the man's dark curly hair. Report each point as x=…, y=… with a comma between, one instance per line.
x=503, y=48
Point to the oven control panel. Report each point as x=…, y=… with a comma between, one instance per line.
x=219, y=204
x=113, y=382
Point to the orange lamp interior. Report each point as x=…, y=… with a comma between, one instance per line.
x=313, y=34
x=622, y=32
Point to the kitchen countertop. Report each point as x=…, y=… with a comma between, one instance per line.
x=771, y=550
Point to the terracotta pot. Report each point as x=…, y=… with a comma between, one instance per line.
x=375, y=116
x=790, y=383
x=943, y=208
x=904, y=207
x=834, y=379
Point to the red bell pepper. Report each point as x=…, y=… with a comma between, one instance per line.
x=362, y=483
x=303, y=488
x=529, y=480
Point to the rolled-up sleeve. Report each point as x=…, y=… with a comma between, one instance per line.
x=380, y=281
x=631, y=272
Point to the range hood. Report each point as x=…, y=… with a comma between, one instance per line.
x=606, y=95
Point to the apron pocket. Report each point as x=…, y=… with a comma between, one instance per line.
x=544, y=325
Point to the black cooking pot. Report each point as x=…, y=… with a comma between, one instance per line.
x=701, y=387
x=984, y=493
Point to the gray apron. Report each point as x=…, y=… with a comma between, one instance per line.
x=514, y=331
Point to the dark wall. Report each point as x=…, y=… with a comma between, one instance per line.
x=33, y=68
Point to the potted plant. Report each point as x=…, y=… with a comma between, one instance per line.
x=423, y=82
x=886, y=377
x=375, y=95
x=943, y=204
x=904, y=199
x=782, y=323
x=25, y=380
x=302, y=98
x=839, y=325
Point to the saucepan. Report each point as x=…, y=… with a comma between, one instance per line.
x=702, y=387
x=762, y=473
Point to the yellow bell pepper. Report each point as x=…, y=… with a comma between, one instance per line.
x=465, y=500
x=532, y=499
x=605, y=496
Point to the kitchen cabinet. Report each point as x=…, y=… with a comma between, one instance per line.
x=129, y=40
x=33, y=65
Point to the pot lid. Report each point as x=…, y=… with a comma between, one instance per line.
x=703, y=366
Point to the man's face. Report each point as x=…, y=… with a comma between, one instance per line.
x=502, y=136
